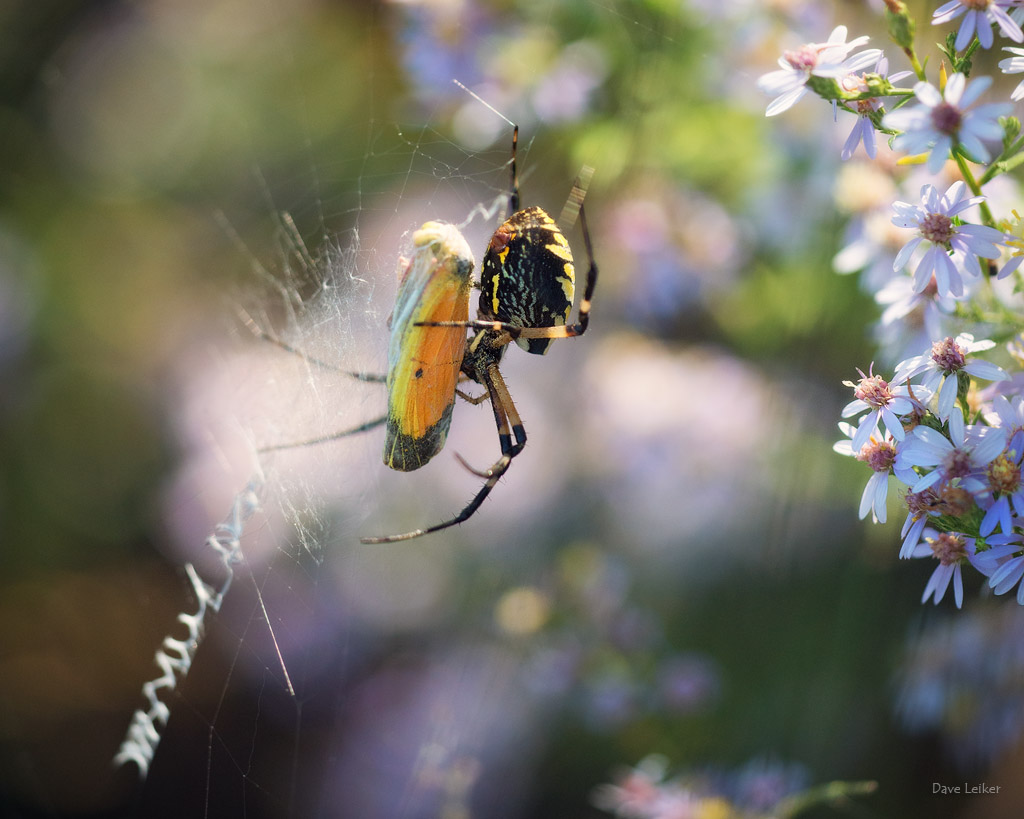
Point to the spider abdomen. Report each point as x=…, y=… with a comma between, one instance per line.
x=527, y=278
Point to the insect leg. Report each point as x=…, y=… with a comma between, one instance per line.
x=334, y=436
x=263, y=335
x=509, y=425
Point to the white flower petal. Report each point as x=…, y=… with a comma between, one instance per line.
x=948, y=11
x=785, y=102
x=967, y=29
x=855, y=407
x=903, y=257
x=939, y=154
x=986, y=370
x=947, y=397
x=957, y=433
x=867, y=427
x=956, y=86
x=928, y=93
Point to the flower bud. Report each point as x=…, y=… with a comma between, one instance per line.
x=901, y=26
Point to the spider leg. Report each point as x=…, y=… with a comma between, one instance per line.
x=472, y=399
x=509, y=425
x=480, y=473
x=334, y=436
x=513, y=199
x=263, y=335
x=374, y=378
x=478, y=324
x=505, y=414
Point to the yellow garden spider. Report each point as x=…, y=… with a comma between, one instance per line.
x=527, y=283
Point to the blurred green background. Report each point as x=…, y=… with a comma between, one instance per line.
x=673, y=564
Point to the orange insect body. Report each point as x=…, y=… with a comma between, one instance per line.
x=424, y=362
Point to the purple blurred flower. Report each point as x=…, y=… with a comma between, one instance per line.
x=963, y=679
x=688, y=682
x=762, y=783
x=635, y=791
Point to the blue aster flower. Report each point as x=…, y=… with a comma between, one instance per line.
x=953, y=249
x=960, y=458
x=884, y=405
x=883, y=456
x=979, y=16
x=952, y=550
x=940, y=367
x=829, y=59
x=942, y=121
x=1006, y=564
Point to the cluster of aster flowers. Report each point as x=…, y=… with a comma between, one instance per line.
x=947, y=421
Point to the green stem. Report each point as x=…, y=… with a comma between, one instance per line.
x=968, y=52
x=1009, y=159
x=915, y=64
x=972, y=183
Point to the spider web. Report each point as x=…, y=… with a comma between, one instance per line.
x=283, y=695
x=310, y=675
x=319, y=676
x=291, y=610
x=598, y=606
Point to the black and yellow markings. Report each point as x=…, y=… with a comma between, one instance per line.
x=424, y=362
x=527, y=276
